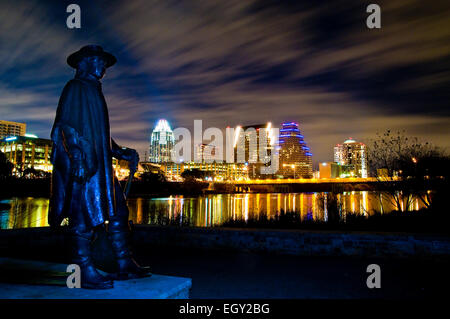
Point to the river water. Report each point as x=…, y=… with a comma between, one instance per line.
x=208, y=210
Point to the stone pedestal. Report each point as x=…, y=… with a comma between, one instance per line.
x=24, y=279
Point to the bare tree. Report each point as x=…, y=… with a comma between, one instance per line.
x=407, y=167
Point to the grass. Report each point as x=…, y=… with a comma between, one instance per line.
x=422, y=221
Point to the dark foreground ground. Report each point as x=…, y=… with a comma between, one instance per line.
x=248, y=275
x=231, y=274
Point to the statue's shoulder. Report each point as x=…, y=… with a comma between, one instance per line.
x=73, y=83
x=74, y=86
x=71, y=90
x=76, y=81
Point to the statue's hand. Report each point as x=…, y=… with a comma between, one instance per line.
x=132, y=156
x=79, y=170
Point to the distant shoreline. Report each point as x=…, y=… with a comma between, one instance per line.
x=41, y=188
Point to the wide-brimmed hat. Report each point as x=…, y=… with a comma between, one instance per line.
x=90, y=50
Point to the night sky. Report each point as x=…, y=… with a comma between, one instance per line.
x=238, y=62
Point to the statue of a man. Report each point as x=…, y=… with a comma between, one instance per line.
x=84, y=187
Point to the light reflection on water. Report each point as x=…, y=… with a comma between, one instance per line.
x=207, y=210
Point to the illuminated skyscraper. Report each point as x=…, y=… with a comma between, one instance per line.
x=352, y=153
x=254, y=148
x=206, y=153
x=295, y=156
x=162, y=143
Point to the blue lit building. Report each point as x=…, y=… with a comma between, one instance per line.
x=294, y=155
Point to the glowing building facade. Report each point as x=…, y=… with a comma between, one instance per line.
x=213, y=171
x=162, y=142
x=206, y=153
x=253, y=145
x=294, y=155
x=27, y=151
x=335, y=170
x=8, y=128
x=352, y=153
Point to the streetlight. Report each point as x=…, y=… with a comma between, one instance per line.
x=291, y=166
x=414, y=160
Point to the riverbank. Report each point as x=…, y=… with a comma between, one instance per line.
x=422, y=221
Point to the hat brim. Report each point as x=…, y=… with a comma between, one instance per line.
x=76, y=57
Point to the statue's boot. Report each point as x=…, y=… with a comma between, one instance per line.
x=128, y=268
x=81, y=255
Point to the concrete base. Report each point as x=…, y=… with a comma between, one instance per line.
x=24, y=279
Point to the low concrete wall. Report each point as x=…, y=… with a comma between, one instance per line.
x=297, y=242
x=292, y=242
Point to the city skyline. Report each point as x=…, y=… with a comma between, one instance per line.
x=158, y=152
x=162, y=144
x=237, y=63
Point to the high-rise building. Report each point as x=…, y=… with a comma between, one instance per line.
x=254, y=148
x=8, y=128
x=162, y=142
x=206, y=153
x=294, y=155
x=353, y=153
x=27, y=151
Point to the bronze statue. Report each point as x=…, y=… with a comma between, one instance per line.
x=84, y=187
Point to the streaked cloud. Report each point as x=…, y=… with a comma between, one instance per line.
x=239, y=62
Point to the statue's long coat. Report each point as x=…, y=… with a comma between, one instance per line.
x=82, y=122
